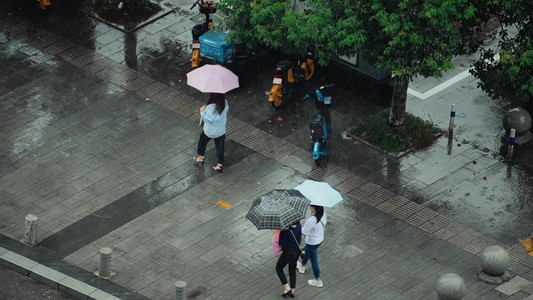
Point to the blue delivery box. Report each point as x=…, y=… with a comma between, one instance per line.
x=213, y=47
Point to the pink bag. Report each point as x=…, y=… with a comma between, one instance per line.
x=276, y=248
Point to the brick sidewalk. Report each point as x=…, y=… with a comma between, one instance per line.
x=379, y=245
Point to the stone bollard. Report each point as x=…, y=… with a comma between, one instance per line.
x=30, y=231
x=519, y=119
x=450, y=287
x=494, y=264
x=180, y=293
x=105, y=262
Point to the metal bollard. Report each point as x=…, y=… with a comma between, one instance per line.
x=105, y=262
x=180, y=293
x=30, y=231
x=450, y=130
x=510, y=148
x=450, y=144
x=452, y=120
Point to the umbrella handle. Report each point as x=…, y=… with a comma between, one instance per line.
x=195, y=3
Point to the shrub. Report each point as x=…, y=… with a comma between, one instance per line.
x=415, y=133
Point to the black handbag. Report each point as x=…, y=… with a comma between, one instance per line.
x=302, y=254
x=302, y=251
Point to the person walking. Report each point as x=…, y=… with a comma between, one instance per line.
x=214, y=117
x=289, y=240
x=313, y=230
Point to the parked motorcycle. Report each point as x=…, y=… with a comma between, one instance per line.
x=320, y=124
x=286, y=74
x=207, y=43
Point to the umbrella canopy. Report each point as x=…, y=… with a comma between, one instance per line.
x=278, y=209
x=319, y=193
x=212, y=79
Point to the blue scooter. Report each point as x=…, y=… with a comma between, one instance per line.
x=320, y=124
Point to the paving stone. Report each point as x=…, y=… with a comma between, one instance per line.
x=46, y=275
x=482, y=290
x=99, y=294
x=405, y=211
x=377, y=197
x=75, y=288
x=17, y=262
x=420, y=217
x=96, y=66
x=513, y=285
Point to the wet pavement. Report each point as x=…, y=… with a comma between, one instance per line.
x=19, y=287
x=98, y=128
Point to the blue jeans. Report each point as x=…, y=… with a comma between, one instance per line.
x=219, y=145
x=311, y=252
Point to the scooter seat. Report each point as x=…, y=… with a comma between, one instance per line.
x=283, y=65
x=317, y=118
x=298, y=73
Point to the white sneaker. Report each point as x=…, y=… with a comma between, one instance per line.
x=300, y=267
x=317, y=283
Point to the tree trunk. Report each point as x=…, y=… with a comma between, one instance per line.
x=399, y=100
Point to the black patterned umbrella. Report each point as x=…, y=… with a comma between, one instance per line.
x=278, y=209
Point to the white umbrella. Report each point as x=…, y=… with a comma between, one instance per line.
x=212, y=79
x=319, y=193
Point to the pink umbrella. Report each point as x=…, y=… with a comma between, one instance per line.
x=212, y=79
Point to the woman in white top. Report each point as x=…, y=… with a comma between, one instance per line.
x=313, y=230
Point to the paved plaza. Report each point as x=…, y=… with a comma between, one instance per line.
x=100, y=150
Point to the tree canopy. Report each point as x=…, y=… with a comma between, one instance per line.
x=414, y=37
x=510, y=76
x=407, y=37
x=274, y=24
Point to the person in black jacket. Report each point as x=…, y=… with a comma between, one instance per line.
x=289, y=240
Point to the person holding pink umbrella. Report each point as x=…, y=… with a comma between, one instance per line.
x=214, y=116
x=213, y=79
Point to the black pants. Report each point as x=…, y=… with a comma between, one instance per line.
x=290, y=258
x=219, y=145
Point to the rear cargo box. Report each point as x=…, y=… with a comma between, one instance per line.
x=213, y=47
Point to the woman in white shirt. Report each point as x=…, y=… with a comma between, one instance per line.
x=313, y=230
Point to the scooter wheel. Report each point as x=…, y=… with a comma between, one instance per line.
x=320, y=161
x=276, y=105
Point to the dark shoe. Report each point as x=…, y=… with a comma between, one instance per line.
x=291, y=293
x=287, y=294
x=219, y=168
